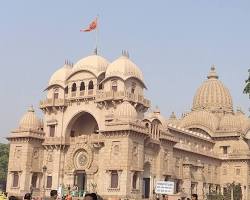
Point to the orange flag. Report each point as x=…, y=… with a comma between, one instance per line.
x=92, y=26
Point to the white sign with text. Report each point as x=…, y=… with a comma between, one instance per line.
x=164, y=187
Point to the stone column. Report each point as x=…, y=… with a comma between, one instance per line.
x=187, y=176
x=200, y=180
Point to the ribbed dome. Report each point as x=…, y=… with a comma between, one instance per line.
x=30, y=121
x=60, y=75
x=230, y=123
x=94, y=63
x=124, y=68
x=199, y=119
x=125, y=110
x=213, y=95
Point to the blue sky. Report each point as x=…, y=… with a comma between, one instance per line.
x=173, y=42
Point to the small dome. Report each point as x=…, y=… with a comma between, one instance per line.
x=60, y=75
x=213, y=95
x=124, y=68
x=173, y=119
x=229, y=123
x=94, y=64
x=244, y=121
x=125, y=110
x=30, y=121
x=200, y=119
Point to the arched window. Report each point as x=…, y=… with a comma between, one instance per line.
x=133, y=86
x=91, y=85
x=100, y=86
x=82, y=86
x=114, y=85
x=90, y=88
x=56, y=93
x=134, y=181
x=73, y=89
x=114, y=179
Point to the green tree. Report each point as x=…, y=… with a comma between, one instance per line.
x=4, y=158
x=247, y=87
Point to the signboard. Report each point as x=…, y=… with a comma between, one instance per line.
x=164, y=187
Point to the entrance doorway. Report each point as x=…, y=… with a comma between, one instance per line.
x=146, y=187
x=146, y=181
x=80, y=180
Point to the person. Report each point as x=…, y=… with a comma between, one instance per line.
x=53, y=194
x=165, y=197
x=194, y=197
x=12, y=198
x=27, y=196
x=90, y=196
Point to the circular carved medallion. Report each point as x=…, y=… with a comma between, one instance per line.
x=81, y=159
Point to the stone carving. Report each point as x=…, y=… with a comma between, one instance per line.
x=35, y=153
x=79, y=157
x=115, y=148
x=18, y=152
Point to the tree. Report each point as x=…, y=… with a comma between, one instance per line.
x=4, y=157
x=247, y=87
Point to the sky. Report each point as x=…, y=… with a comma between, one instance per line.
x=174, y=43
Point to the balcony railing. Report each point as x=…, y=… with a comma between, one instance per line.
x=110, y=95
x=52, y=102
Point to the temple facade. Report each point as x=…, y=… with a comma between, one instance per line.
x=99, y=135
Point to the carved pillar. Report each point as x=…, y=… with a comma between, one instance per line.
x=187, y=176
x=200, y=180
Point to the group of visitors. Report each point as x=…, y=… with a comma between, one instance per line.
x=88, y=196
x=165, y=197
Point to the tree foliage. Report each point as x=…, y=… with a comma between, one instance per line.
x=4, y=157
x=247, y=87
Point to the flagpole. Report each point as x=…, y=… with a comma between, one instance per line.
x=96, y=34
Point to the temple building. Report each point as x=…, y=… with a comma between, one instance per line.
x=98, y=134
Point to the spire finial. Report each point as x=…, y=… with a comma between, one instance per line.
x=31, y=109
x=95, y=51
x=212, y=73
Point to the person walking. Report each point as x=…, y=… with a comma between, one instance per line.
x=194, y=197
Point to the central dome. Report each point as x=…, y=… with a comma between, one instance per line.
x=213, y=95
x=95, y=64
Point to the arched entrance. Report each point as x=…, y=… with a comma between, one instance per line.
x=146, y=181
x=80, y=180
x=82, y=124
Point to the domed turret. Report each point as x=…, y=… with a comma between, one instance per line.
x=30, y=121
x=60, y=75
x=125, y=111
x=229, y=123
x=213, y=95
x=94, y=64
x=124, y=68
x=200, y=119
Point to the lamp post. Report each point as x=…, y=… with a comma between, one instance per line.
x=44, y=173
